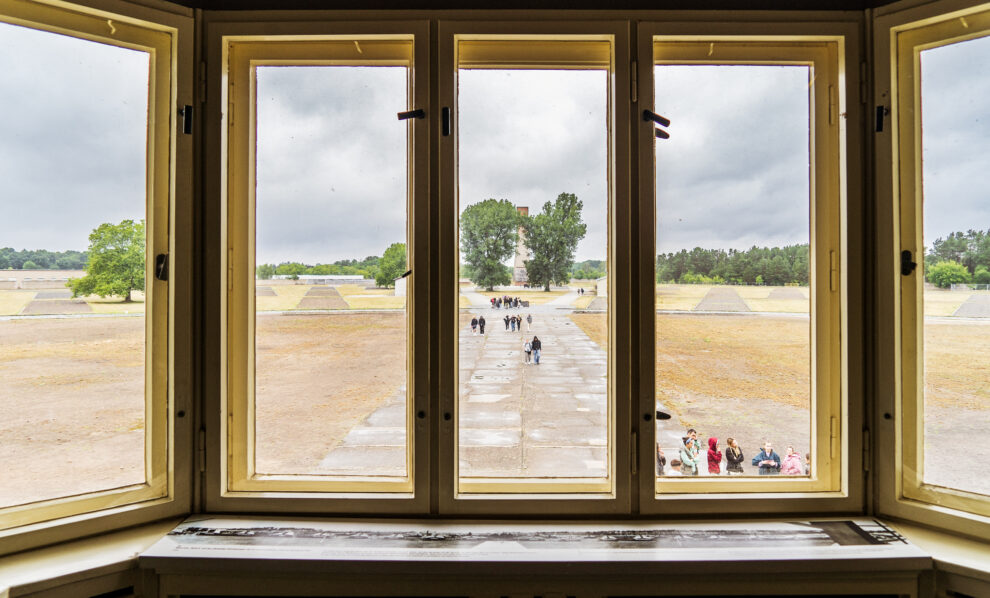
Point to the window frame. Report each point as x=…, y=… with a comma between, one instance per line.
x=230, y=487
x=900, y=34
x=168, y=386
x=836, y=204
x=524, y=497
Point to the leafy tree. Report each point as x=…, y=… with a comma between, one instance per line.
x=265, y=271
x=982, y=275
x=29, y=265
x=488, y=238
x=392, y=265
x=552, y=236
x=116, y=261
x=945, y=274
x=290, y=269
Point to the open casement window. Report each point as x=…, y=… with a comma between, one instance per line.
x=531, y=398
x=746, y=286
x=86, y=107
x=940, y=82
x=321, y=239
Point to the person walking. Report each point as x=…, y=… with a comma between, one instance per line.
x=474, y=325
x=506, y=320
x=481, y=325
x=512, y=324
x=527, y=352
x=537, y=348
x=733, y=457
x=768, y=461
x=529, y=322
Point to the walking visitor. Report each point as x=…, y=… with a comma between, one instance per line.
x=474, y=325
x=527, y=352
x=529, y=322
x=506, y=320
x=537, y=347
x=481, y=325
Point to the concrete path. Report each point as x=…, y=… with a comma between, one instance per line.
x=721, y=299
x=977, y=306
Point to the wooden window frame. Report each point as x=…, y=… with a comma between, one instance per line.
x=167, y=491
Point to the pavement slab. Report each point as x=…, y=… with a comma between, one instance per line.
x=977, y=306
x=721, y=299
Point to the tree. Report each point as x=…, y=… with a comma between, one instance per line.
x=945, y=274
x=488, y=237
x=116, y=261
x=265, y=271
x=29, y=265
x=982, y=275
x=392, y=265
x=552, y=236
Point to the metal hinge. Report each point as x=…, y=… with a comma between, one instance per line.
x=833, y=271
x=633, y=82
x=633, y=453
x=867, y=451
x=201, y=450
x=833, y=437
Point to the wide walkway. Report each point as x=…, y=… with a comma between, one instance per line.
x=515, y=420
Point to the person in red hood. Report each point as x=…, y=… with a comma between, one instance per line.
x=714, y=457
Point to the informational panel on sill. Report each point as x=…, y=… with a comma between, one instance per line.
x=862, y=544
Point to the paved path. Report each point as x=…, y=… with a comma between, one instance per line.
x=515, y=420
x=977, y=306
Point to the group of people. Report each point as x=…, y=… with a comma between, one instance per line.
x=514, y=323
x=505, y=300
x=532, y=350
x=478, y=322
x=692, y=457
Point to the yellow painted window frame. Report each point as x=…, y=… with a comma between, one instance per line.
x=825, y=54
x=909, y=41
x=160, y=44
x=241, y=55
x=536, y=45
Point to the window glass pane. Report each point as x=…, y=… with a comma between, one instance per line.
x=955, y=81
x=73, y=180
x=733, y=357
x=533, y=189
x=330, y=337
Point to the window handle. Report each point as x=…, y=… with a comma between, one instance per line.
x=907, y=264
x=418, y=113
x=161, y=266
x=445, y=120
x=651, y=116
x=186, y=112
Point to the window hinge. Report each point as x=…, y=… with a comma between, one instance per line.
x=867, y=451
x=201, y=450
x=633, y=454
x=832, y=108
x=833, y=437
x=833, y=271
x=862, y=82
x=633, y=82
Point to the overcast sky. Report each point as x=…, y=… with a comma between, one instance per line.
x=332, y=164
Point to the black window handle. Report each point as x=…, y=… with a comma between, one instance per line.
x=907, y=264
x=651, y=116
x=418, y=113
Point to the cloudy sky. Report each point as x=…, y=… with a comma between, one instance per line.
x=332, y=164
x=73, y=119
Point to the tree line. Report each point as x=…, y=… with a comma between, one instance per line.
x=41, y=259
x=384, y=269
x=959, y=258
x=776, y=266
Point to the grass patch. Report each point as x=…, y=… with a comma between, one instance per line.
x=116, y=305
x=583, y=301
x=798, y=306
x=376, y=302
x=356, y=289
x=286, y=297
x=939, y=302
x=957, y=372
x=12, y=302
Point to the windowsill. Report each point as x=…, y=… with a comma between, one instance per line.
x=37, y=570
x=952, y=554
x=45, y=568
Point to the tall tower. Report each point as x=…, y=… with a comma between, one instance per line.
x=519, y=276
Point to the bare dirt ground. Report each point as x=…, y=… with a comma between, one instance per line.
x=72, y=413
x=71, y=406
x=317, y=377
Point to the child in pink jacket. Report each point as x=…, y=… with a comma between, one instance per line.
x=792, y=463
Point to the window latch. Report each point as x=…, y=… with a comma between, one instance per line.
x=418, y=113
x=161, y=266
x=445, y=121
x=907, y=264
x=651, y=116
x=408, y=272
x=186, y=112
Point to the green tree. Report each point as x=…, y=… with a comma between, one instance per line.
x=982, y=275
x=392, y=265
x=29, y=265
x=552, y=236
x=265, y=271
x=488, y=237
x=116, y=261
x=945, y=274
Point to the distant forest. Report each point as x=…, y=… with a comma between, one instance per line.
x=41, y=259
x=774, y=266
x=368, y=268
